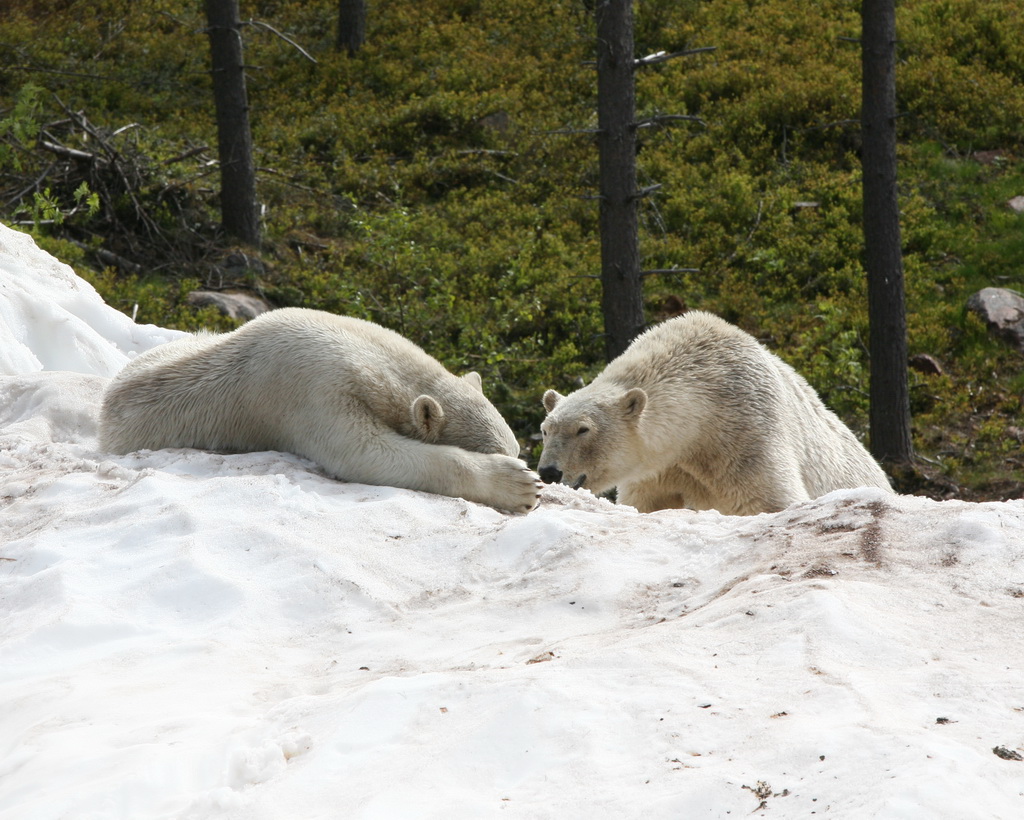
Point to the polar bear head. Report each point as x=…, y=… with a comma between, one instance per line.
x=591, y=437
x=459, y=415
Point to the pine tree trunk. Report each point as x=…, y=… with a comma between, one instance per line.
x=890, y=405
x=351, y=25
x=622, y=291
x=239, y=210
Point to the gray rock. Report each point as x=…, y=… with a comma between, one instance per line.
x=235, y=305
x=1016, y=204
x=1002, y=310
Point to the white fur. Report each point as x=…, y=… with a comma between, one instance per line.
x=696, y=413
x=363, y=402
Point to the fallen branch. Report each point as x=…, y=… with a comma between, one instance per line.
x=187, y=155
x=110, y=259
x=69, y=153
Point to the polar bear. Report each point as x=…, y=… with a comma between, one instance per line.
x=696, y=413
x=360, y=400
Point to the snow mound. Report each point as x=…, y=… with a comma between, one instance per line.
x=199, y=635
x=50, y=319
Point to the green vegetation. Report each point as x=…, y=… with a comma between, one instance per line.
x=438, y=183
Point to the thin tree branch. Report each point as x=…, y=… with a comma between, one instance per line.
x=661, y=56
x=288, y=40
x=653, y=271
x=33, y=187
x=39, y=70
x=493, y=152
x=124, y=128
x=661, y=119
x=574, y=131
x=650, y=189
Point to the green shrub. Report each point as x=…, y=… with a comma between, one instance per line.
x=441, y=180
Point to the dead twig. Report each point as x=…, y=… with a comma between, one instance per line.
x=272, y=30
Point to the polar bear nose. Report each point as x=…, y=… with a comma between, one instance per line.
x=550, y=475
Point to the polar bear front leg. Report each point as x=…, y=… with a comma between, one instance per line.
x=496, y=480
x=389, y=459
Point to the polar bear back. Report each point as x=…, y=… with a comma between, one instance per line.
x=239, y=391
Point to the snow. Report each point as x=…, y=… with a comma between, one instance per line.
x=52, y=320
x=199, y=635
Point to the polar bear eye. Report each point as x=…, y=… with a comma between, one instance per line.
x=582, y=430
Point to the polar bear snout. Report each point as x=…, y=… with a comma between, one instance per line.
x=550, y=474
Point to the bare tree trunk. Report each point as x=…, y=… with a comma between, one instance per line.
x=234, y=139
x=622, y=290
x=890, y=403
x=351, y=25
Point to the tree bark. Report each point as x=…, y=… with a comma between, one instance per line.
x=621, y=282
x=890, y=404
x=351, y=25
x=239, y=210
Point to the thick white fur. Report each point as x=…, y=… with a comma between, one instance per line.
x=696, y=413
x=363, y=402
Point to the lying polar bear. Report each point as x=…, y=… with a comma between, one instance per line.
x=360, y=400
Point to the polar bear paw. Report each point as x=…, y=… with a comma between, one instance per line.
x=511, y=485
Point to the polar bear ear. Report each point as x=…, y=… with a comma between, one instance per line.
x=474, y=379
x=633, y=403
x=551, y=398
x=428, y=418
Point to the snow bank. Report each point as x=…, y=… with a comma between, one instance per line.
x=52, y=320
x=195, y=635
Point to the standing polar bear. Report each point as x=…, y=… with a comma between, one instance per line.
x=696, y=413
x=361, y=401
